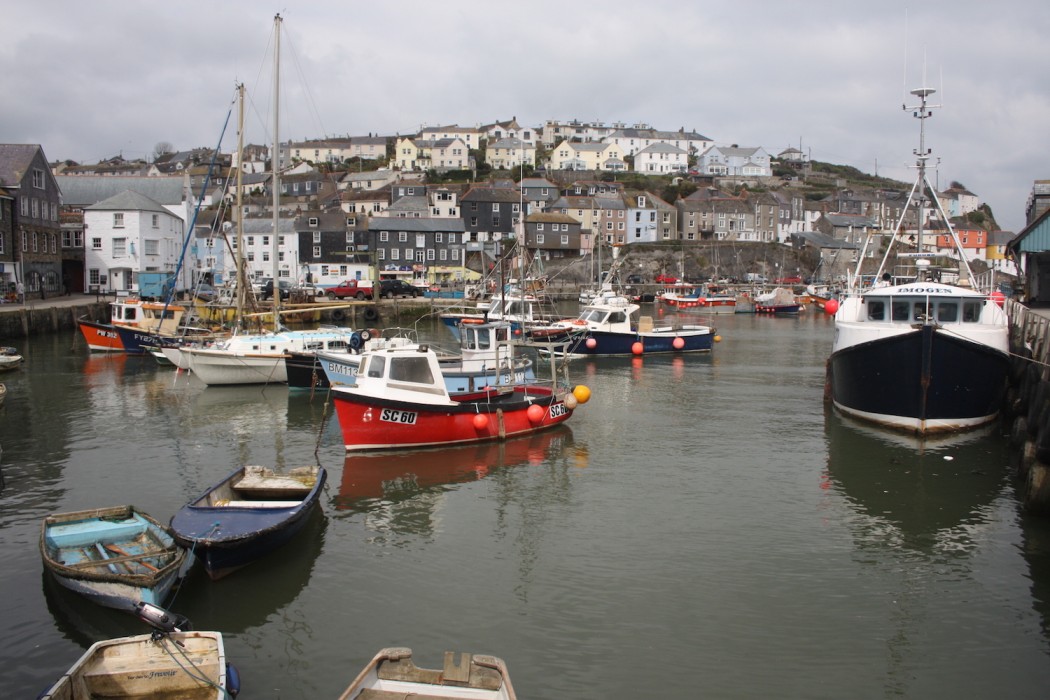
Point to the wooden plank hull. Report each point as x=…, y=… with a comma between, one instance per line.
x=189, y=665
x=116, y=557
x=393, y=674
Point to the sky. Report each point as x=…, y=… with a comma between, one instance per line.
x=92, y=80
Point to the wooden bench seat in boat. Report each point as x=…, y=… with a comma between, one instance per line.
x=373, y=694
x=257, y=483
x=138, y=674
x=80, y=534
x=260, y=504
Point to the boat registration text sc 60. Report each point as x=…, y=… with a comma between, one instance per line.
x=392, y=415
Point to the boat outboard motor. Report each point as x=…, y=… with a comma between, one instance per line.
x=163, y=621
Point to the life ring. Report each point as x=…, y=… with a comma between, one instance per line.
x=579, y=322
x=471, y=321
x=371, y=314
x=338, y=315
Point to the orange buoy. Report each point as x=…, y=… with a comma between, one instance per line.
x=637, y=348
x=481, y=421
x=718, y=339
x=582, y=393
x=998, y=297
x=592, y=343
x=678, y=343
x=535, y=413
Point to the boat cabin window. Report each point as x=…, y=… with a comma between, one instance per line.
x=876, y=311
x=376, y=364
x=502, y=334
x=971, y=311
x=947, y=312
x=411, y=369
x=900, y=310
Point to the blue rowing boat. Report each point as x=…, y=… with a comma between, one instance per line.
x=250, y=513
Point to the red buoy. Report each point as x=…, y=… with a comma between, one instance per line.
x=481, y=421
x=535, y=413
x=637, y=348
x=678, y=343
x=831, y=306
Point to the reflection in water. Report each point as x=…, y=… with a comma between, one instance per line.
x=924, y=494
x=920, y=508
x=249, y=598
x=400, y=490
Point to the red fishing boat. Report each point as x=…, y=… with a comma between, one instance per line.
x=400, y=400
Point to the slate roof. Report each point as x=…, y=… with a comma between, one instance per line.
x=14, y=160
x=128, y=201
x=85, y=190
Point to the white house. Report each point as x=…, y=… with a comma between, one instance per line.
x=661, y=158
x=127, y=234
x=735, y=162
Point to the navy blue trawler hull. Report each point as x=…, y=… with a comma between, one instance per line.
x=226, y=536
x=923, y=381
x=595, y=343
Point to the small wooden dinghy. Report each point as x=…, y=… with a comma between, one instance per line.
x=116, y=556
x=168, y=663
x=392, y=675
x=248, y=514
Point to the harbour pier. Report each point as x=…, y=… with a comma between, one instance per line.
x=1026, y=410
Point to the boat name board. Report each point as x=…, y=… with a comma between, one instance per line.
x=920, y=289
x=391, y=415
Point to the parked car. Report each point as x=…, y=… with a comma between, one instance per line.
x=634, y=279
x=666, y=279
x=396, y=288
x=794, y=279
x=284, y=287
x=358, y=289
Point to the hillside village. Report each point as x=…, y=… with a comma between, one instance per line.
x=441, y=206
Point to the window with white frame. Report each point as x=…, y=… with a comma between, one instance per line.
x=118, y=219
x=38, y=178
x=151, y=247
x=96, y=244
x=120, y=247
x=317, y=236
x=155, y=220
x=317, y=251
x=384, y=236
x=402, y=236
x=312, y=221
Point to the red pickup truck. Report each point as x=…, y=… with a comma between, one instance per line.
x=358, y=289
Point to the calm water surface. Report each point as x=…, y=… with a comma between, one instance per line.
x=700, y=528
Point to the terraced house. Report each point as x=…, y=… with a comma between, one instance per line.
x=36, y=260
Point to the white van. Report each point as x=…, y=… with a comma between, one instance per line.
x=756, y=278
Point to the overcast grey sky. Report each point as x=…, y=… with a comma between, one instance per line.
x=89, y=80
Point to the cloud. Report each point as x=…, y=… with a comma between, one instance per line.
x=91, y=80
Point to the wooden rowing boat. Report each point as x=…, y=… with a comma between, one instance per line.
x=392, y=675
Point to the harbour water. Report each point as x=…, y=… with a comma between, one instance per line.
x=701, y=528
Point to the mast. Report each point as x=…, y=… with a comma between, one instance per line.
x=239, y=256
x=276, y=170
x=922, y=155
x=921, y=189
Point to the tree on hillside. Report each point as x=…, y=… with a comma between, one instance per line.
x=162, y=148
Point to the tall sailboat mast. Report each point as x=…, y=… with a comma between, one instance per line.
x=239, y=253
x=275, y=245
